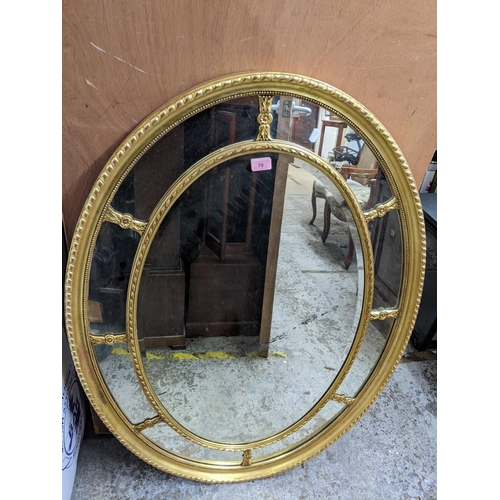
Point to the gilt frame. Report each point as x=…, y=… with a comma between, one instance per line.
x=97, y=209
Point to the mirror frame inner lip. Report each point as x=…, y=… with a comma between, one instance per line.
x=124, y=158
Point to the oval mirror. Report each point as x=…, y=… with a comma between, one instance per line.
x=244, y=276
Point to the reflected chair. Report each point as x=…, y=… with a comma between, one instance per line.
x=365, y=196
x=364, y=170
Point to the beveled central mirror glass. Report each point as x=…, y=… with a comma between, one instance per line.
x=244, y=276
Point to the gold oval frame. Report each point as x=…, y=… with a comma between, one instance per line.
x=182, y=183
x=406, y=200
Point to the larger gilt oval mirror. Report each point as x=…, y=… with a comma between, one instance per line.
x=244, y=276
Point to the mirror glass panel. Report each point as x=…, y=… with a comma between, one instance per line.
x=220, y=362
x=109, y=278
x=369, y=353
x=225, y=367
x=164, y=436
x=388, y=250
x=118, y=373
x=331, y=410
x=178, y=149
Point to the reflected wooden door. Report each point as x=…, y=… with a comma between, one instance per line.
x=302, y=126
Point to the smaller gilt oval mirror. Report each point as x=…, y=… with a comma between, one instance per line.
x=244, y=276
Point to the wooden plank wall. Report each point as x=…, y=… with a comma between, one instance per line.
x=122, y=60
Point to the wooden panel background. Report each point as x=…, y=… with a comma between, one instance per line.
x=123, y=59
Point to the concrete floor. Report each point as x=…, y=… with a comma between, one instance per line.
x=389, y=454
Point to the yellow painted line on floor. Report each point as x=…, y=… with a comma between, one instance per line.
x=149, y=355
x=187, y=356
x=205, y=355
x=254, y=354
x=177, y=355
x=120, y=351
x=278, y=353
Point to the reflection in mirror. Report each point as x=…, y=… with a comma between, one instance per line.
x=336, y=142
x=243, y=372
x=371, y=349
x=345, y=150
x=118, y=373
x=163, y=435
x=233, y=350
x=199, y=135
x=109, y=277
x=330, y=411
x=205, y=270
x=388, y=250
x=152, y=175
